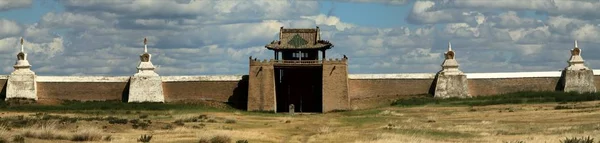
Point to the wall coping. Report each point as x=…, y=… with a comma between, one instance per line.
x=82, y=78
x=469, y=75
x=126, y=78
x=393, y=76
x=202, y=78
x=513, y=75
x=350, y=76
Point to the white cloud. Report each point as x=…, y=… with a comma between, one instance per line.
x=9, y=28
x=13, y=4
x=322, y=19
x=72, y=20
x=216, y=37
x=391, y=2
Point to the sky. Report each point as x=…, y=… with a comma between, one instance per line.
x=216, y=37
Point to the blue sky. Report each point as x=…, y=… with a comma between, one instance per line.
x=208, y=37
x=33, y=13
x=367, y=14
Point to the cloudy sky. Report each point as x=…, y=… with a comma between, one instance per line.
x=205, y=37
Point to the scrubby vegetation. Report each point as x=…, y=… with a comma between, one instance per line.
x=578, y=140
x=110, y=106
x=218, y=139
x=562, y=115
x=87, y=134
x=145, y=138
x=510, y=98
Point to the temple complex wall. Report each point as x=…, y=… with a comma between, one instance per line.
x=371, y=90
x=363, y=90
x=228, y=89
x=53, y=89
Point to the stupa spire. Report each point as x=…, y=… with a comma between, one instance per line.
x=145, y=45
x=22, y=49
x=449, y=46
x=576, y=44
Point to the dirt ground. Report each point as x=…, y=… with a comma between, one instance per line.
x=530, y=123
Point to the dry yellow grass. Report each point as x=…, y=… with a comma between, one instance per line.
x=530, y=123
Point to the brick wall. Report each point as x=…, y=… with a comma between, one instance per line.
x=222, y=91
x=366, y=93
x=81, y=91
x=483, y=87
x=335, y=86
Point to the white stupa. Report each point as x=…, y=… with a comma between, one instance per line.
x=576, y=62
x=145, y=68
x=450, y=65
x=22, y=66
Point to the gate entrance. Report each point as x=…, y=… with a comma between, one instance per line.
x=300, y=86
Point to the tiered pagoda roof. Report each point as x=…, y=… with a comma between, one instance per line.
x=295, y=39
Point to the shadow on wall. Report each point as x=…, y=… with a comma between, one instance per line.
x=239, y=99
x=125, y=95
x=560, y=86
x=432, y=86
x=3, y=92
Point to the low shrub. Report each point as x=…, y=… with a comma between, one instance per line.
x=220, y=139
x=140, y=125
x=107, y=138
x=167, y=127
x=242, y=141
x=44, y=134
x=145, y=138
x=45, y=130
x=559, y=107
x=115, y=120
x=204, y=140
x=18, y=139
x=87, y=134
x=211, y=121
x=230, y=121
x=578, y=140
x=179, y=122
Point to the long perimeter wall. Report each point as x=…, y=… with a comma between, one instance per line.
x=364, y=90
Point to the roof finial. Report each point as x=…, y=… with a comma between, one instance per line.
x=22, y=44
x=576, y=44
x=449, y=46
x=145, y=46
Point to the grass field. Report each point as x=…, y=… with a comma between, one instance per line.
x=534, y=117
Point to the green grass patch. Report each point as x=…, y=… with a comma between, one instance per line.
x=109, y=106
x=434, y=133
x=362, y=112
x=510, y=98
x=363, y=120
